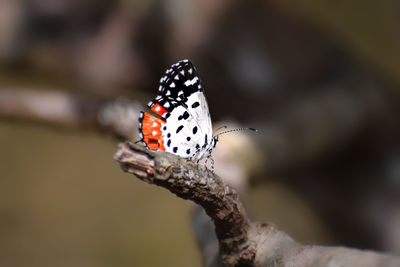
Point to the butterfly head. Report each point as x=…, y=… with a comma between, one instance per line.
x=214, y=141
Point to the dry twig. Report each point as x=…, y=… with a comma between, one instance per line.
x=241, y=242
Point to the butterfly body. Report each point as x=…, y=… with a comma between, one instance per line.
x=183, y=124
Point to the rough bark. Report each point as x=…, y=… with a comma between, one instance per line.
x=189, y=181
x=241, y=241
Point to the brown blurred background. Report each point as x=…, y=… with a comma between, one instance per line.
x=319, y=79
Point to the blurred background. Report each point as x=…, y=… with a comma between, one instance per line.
x=320, y=81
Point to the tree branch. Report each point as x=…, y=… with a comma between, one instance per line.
x=118, y=117
x=241, y=242
x=189, y=181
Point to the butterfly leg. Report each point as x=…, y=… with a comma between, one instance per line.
x=209, y=157
x=205, y=162
x=212, y=163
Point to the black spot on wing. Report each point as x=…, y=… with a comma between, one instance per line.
x=184, y=116
x=195, y=104
x=194, y=129
x=179, y=129
x=175, y=149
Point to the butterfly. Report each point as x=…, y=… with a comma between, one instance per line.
x=181, y=123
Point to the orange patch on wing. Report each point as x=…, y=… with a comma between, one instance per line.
x=152, y=133
x=157, y=108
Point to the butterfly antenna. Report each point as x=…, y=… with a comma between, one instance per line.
x=237, y=130
x=219, y=128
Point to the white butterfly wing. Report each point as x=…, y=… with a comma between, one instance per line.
x=187, y=129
